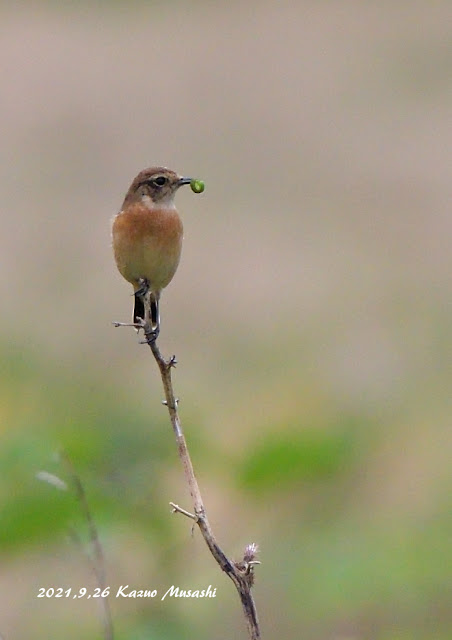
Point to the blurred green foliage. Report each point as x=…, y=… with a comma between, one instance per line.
x=290, y=456
x=117, y=452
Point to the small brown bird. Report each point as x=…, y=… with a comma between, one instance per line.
x=147, y=238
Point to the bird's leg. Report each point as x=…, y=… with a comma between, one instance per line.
x=153, y=320
x=155, y=312
x=139, y=309
x=146, y=313
x=147, y=310
x=144, y=287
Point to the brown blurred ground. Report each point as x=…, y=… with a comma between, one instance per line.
x=317, y=261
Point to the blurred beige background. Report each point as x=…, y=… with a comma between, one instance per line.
x=315, y=287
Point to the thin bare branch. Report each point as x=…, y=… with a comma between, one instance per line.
x=177, y=509
x=241, y=573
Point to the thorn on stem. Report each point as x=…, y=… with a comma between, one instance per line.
x=165, y=402
x=136, y=325
x=177, y=509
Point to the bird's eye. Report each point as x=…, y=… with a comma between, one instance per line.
x=160, y=181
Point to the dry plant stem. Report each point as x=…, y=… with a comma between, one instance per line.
x=97, y=561
x=241, y=574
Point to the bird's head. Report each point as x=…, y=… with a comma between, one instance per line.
x=155, y=187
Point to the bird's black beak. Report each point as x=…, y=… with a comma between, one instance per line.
x=182, y=181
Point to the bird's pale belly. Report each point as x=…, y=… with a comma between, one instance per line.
x=156, y=261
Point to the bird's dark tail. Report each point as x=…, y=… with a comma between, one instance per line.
x=138, y=309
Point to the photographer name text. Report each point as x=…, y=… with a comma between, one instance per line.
x=124, y=591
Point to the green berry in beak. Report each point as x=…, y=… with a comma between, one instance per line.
x=197, y=186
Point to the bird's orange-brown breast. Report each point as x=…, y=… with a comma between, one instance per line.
x=147, y=243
